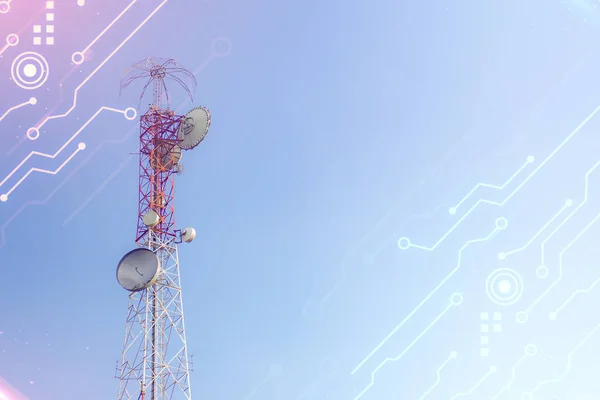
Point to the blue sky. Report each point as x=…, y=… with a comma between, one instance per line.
x=336, y=129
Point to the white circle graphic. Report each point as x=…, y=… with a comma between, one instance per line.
x=29, y=70
x=504, y=286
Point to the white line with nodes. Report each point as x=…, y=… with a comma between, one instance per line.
x=79, y=56
x=490, y=371
x=500, y=224
x=110, y=56
x=455, y=300
x=438, y=374
x=129, y=114
x=32, y=101
x=522, y=316
x=80, y=147
x=568, y=203
x=569, y=366
x=11, y=40
x=560, y=267
x=407, y=243
x=568, y=217
x=404, y=243
x=453, y=210
x=530, y=351
x=554, y=314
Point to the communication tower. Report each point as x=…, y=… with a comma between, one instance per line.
x=155, y=362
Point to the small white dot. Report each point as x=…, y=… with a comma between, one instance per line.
x=504, y=286
x=33, y=101
x=81, y=146
x=29, y=70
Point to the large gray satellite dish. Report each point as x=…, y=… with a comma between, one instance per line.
x=193, y=128
x=138, y=270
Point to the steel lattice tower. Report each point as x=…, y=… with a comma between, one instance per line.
x=155, y=362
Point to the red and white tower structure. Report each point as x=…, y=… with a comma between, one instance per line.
x=155, y=361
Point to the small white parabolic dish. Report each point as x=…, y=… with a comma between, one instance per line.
x=172, y=158
x=138, y=270
x=166, y=156
x=151, y=219
x=188, y=235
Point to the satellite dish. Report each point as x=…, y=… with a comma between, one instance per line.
x=151, y=219
x=188, y=235
x=165, y=156
x=193, y=128
x=172, y=157
x=138, y=270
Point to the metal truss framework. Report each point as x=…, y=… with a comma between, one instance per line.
x=155, y=363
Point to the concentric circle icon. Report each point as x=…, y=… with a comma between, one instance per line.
x=30, y=70
x=504, y=286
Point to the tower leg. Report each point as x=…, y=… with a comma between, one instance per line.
x=155, y=356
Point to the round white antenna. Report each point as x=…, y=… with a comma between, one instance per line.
x=166, y=156
x=194, y=127
x=138, y=270
x=151, y=219
x=188, y=235
x=171, y=158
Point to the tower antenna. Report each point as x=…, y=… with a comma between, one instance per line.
x=157, y=72
x=154, y=363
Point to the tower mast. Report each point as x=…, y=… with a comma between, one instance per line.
x=154, y=363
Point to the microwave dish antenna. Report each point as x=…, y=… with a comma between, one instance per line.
x=166, y=156
x=194, y=127
x=138, y=270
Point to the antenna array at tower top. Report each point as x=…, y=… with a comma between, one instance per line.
x=156, y=71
